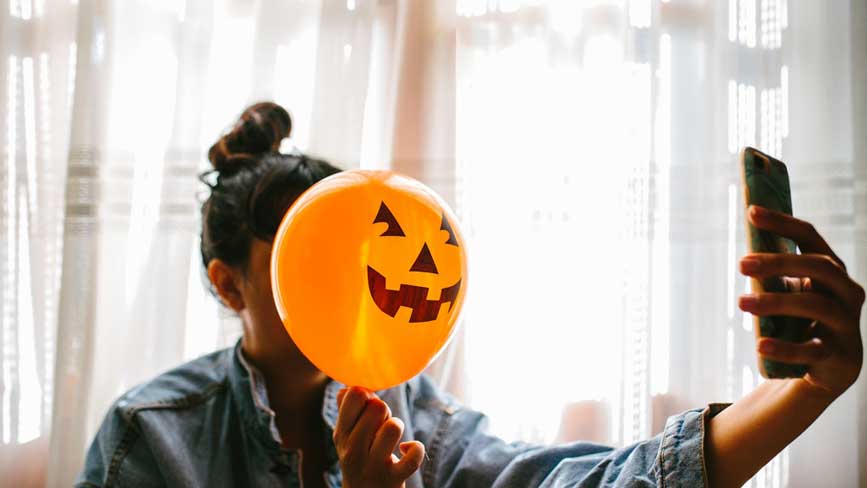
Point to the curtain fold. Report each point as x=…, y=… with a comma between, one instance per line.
x=858, y=23
x=38, y=54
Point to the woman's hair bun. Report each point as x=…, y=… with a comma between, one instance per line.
x=259, y=130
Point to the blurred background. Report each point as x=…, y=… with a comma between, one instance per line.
x=588, y=147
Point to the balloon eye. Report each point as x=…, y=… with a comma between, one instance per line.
x=385, y=215
x=448, y=228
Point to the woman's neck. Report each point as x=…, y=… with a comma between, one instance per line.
x=295, y=387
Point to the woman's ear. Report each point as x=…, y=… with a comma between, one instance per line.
x=227, y=282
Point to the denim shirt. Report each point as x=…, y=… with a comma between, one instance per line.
x=208, y=423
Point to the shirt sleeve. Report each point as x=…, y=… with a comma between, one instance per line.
x=116, y=456
x=461, y=454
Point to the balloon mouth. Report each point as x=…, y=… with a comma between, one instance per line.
x=414, y=297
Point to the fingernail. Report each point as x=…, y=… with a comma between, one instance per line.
x=767, y=347
x=749, y=300
x=750, y=265
x=361, y=391
x=755, y=210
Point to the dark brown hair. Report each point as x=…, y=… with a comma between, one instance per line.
x=254, y=184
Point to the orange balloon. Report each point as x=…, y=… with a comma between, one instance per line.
x=369, y=272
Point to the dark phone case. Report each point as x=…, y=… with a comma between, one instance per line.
x=769, y=187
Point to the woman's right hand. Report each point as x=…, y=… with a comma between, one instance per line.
x=365, y=436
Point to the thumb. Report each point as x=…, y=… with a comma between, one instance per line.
x=413, y=454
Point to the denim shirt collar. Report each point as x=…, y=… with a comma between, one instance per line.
x=248, y=390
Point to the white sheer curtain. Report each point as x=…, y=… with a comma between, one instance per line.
x=598, y=181
x=588, y=147
x=110, y=107
x=38, y=71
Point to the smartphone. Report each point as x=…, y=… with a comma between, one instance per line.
x=766, y=183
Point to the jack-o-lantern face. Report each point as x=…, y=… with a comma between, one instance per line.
x=369, y=274
x=421, y=300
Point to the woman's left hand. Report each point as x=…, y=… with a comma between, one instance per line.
x=834, y=352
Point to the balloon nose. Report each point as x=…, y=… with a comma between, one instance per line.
x=424, y=263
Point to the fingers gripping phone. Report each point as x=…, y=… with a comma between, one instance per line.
x=766, y=183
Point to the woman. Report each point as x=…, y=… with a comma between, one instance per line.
x=260, y=414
